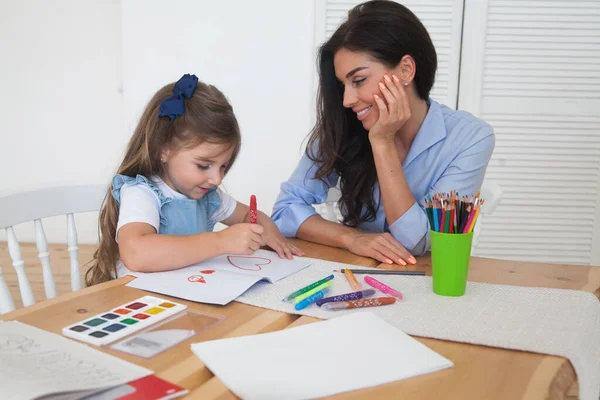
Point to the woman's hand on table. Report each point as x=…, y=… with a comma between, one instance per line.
x=380, y=246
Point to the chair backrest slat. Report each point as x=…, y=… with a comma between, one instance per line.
x=74, y=253
x=34, y=205
x=44, y=256
x=49, y=202
x=19, y=265
x=6, y=301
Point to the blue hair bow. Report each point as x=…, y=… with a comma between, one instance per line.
x=175, y=105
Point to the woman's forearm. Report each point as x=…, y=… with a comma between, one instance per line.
x=395, y=192
x=319, y=230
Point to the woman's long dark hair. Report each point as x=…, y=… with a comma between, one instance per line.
x=387, y=31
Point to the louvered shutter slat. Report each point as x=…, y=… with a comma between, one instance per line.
x=540, y=90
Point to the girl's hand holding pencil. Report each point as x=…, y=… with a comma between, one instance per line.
x=255, y=229
x=241, y=239
x=449, y=213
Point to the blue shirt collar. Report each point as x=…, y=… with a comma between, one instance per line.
x=432, y=130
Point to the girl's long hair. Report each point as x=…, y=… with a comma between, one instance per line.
x=387, y=31
x=208, y=117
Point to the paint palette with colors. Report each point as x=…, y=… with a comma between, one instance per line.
x=122, y=321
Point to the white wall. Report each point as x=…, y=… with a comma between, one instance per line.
x=76, y=75
x=61, y=111
x=259, y=53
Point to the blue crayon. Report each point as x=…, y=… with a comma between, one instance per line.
x=311, y=299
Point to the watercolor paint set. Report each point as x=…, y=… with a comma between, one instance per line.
x=122, y=321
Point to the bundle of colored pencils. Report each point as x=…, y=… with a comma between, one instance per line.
x=448, y=213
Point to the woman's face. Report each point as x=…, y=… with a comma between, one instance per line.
x=360, y=75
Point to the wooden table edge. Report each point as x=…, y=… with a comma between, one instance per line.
x=66, y=297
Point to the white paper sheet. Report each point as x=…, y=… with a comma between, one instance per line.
x=319, y=359
x=34, y=362
x=221, y=279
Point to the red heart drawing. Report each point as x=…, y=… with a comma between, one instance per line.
x=197, y=278
x=208, y=271
x=253, y=266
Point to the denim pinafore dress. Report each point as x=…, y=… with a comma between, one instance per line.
x=177, y=216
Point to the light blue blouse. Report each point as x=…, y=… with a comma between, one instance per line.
x=450, y=152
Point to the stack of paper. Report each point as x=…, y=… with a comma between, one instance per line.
x=36, y=363
x=319, y=359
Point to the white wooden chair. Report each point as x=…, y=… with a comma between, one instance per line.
x=330, y=210
x=33, y=206
x=491, y=192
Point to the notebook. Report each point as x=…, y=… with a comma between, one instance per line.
x=342, y=354
x=35, y=363
x=220, y=279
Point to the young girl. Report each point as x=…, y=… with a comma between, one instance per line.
x=161, y=208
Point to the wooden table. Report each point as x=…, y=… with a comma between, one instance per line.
x=479, y=372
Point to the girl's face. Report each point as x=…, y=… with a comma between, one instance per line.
x=360, y=76
x=194, y=171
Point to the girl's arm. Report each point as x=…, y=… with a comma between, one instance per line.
x=143, y=250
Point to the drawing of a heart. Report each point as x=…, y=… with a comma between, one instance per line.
x=197, y=278
x=248, y=263
x=207, y=271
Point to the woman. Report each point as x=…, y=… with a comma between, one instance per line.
x=383, y=138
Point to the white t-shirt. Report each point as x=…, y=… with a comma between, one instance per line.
x=140, y=204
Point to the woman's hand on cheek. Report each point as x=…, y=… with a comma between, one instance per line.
x=393, y=112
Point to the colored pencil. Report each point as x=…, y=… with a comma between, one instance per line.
x=382, y=272
x=447, y=224
x=469, y=219
x=447, y=212
x=443, y=223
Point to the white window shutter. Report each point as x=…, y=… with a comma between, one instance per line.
x=532, y=70
x=443, y=20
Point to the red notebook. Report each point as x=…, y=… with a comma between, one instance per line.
x=153, y=388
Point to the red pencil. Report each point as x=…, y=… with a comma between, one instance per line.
x=443, y=219
x=253, y=213
x=469, y=220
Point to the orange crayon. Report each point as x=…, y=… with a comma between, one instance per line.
x=351, y=279
x=370, y=302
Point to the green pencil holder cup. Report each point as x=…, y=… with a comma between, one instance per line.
x=450, y=255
